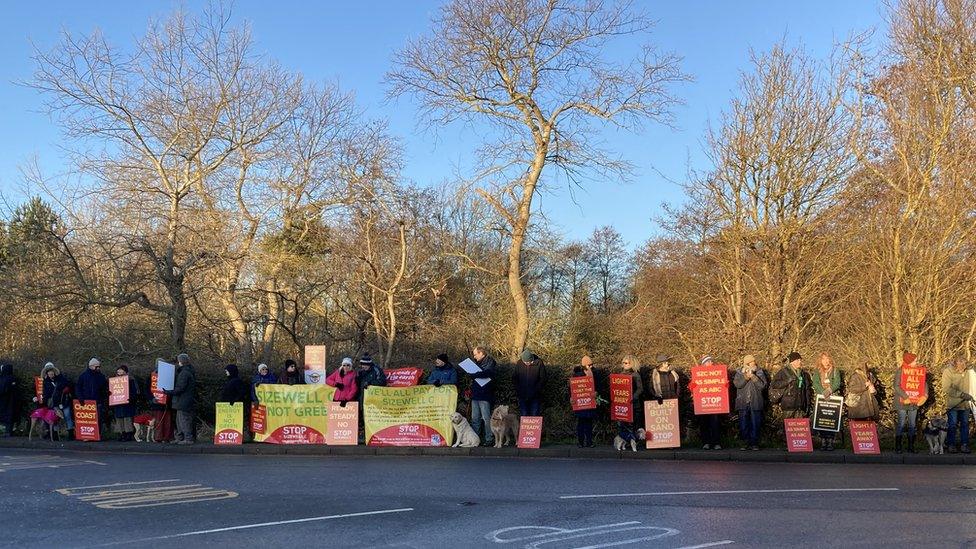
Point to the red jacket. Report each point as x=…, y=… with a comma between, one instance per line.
x=348, y=391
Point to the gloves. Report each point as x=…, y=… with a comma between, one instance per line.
x=342, y=404
x=438, y=384
x=967, y=396
x=660, y=401
x=34, y=399
x=340, y=386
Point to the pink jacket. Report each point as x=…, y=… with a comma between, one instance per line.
x=348, y=382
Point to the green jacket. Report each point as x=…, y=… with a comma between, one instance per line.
x=956, y=387
x=835, y=381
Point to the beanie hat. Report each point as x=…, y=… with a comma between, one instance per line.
x=290, y=362
x=263, y=366
x=908, y=358
x=366, y=360
x=706, y=358
x=527, y=356
x=347, y=361
x=94, y=362
x=123, y=367
x=443, y=358
x=49, y=365
x=586, y=361
x=183, y=358
x=793, y=356
x=232, y=370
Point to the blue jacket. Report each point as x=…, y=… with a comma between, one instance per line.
x=259, y=379
x=446, y=374
x=92, y=385
x=487, y=392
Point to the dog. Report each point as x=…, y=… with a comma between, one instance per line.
x=503, y=423
x=41, y=417
x=465, y=437
x=145, y=426
x=620, y=443
x=935, y=434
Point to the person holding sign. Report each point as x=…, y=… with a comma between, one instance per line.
x=826, y=382
x=443, y=373
x=291, y=375
x=264, y=375
x=56, y=394
x=750, y=381
x=585, y=416
x=790, y=388
x=664, y=380
x=234, y=389
x=344, y=381
x=483, y=395
x=710, y=422
x=529, y=378
x=911, y=392
x=959, y=396
x=93, y=385
x=627, y=430
x=122, y=414
x=183, y=395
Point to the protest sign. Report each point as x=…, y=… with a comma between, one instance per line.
x=530, y=432
x=471, y=367
x=798, y=436
x=403, y=377
x=315, y=364
x=409, y=416
x=158, y=395
x=118, y=390
x=582, y=393
x=294, y=414
x=167, y=375
x=661, y=424
x=86, y=420
x=343, y=424
x=710, y=389
x=259, y=419
x=39, y=390
x=621, y=392
x=827, y=413
x=912, y=382
x=864, y=437
x=229, y=423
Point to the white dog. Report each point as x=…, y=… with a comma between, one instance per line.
x=465, y=437
x=620, y=444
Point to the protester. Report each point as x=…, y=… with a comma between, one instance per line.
x=584, y=418
x=664, y=380
x=710, y=425
x=56, y=395
x=263, y=376
x=958, y=393
x=369, y=374
x=443, y=372
x=529, y=378
x=122, y=414
x=861, y=396
x=234, y=389
x=790, y=388
x=907, y=408
x=184, y=396
x=483, y=396
x=750, y=381
x=161, y=413
x=826, y=382
x=344, y=381
x=291, y=375
x=93, y=385
x=8, y=399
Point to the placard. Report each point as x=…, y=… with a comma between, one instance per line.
x=259, y=419
x=710, y=389
x=343, y=424
x=229, y=424
x=912, y=382
x=798, y=436
x=864, y=437
x=582, y=393
x=86, y=420
x=621, y=393
x=158, y=395
x=315, y=364
x=167, y=375
x=118, y=390
x=403, y=377
x=409, y=416
x=39, y=390
x=294, y=414
x=661, y=423
x=530, y=432
x=827, y=413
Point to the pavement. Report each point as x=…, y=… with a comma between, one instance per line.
x=56, y=497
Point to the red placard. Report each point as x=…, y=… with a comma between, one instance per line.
x=315, y=364
x=343, y=424
x=662, y=424
x=118, y=390
x=621, y=393
x=86, y=420
x=798, y=436
x=710, y=389
x=403, y=377
x=39, y=390
x=582, y=393
x=530, y=432
x=864, y=437
x=913, y=383
x=158, y=395
x=259, y=418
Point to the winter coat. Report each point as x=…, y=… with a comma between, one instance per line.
x=834, y=381
x=345, y=384
x=259, y=379
x=234, y=389
x=8, y=393
x=295, y=378
x=901, y=394
x=955, y=385
x=529, y=379
x=585, y=414
x=184, y=388
x=369, y=377
x=791, y=390
x=92, y=385
x=636, y=390
x=861, y=404
x=128, y=409
x=57, y=390
x=664, y=385
x=486, y=392
x=749, y=392
x=445, y=374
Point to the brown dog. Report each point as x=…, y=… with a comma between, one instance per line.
x=503, y=424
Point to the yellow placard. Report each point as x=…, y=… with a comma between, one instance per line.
x=229, y=423
x=296, y=414
x=409, y=416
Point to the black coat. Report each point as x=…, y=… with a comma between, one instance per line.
x=487, y=392
x=128, y=409
x=529, y=379
x=791, y=391
x=57, y=391
x=92, y=385
x=234, y=390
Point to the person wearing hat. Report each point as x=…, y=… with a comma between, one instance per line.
x=443, y=372
x=959, y=399
x=93, y=385
x=483, y=396
x=750, y=381
x=369, y=374
x=184, y=399
x=790, y=388
x=628, y=430
x=907, y=408
x=264, y=375
x=529, y=378
x=122, y=414
x=664, y=380
x=56, y=394
x=291, y=375
x=344, y=381
x=709, y=425
x=584, y=418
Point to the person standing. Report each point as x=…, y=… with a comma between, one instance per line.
x=628, y=430
x=234, y=389
x=369, y=375
x=826, y=382
x=344, y=381
x=8, y=398
x=907, y=408
x=584, y=418
x=529, y=378
x=122, y=414
x=750, y=381
x=56, y=395
x=790, y=388
x=264, y=375
x=959, y=398
x=664, y=380
x=710, y=425
x=161, y=412
x=483, y=396
x=184, y=397
x=443, y=372
x=93, y=385
x=291, y=375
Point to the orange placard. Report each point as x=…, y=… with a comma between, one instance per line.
x=621, y=392
x=343, y=424
x=530, y=432
x=158, y=395
x=710, y=389
x=798, y=436
x=661, y=422
x=259, y=418
x=582, y=393
x=86, y=420
x=864, y=437
x=39, y=390
x=118, y=390
x=913, y=383
x=403, y=377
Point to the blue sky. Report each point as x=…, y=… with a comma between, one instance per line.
x=352, y=43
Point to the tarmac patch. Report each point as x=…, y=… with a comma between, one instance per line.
x=151, y=493
x=42, y=461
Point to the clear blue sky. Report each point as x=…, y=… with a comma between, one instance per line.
x=352, y=42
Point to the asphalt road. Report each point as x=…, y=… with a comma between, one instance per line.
x=69, y=499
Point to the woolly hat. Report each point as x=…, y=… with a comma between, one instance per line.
x=748, y=359
x=793, y=356
x=94, y=362
x=527, y=356
x=290, y=362
x=263, y=366
x=586, y=361
x=706, y=359
x=908, y=358
x=183, y=358
x=443, y=358
x=347, y=361
x=122, y=367
x=366, y=360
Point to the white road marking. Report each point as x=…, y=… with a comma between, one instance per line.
x=42, y=461
x=553, y=535
x=728, y=492
x=132, y=495
x=119, y=484
x=493, y=535
x=259, y=525
x=712, y=544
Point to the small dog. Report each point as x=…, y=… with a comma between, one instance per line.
x=465, y=437
x=145, y=426
x=935, y=434
x=503, y=423
x=620, y=443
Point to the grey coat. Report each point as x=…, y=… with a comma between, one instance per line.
x=749, y=392
x=184, y=389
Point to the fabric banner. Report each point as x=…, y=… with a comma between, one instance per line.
x=343, y=424
x=582, y=393
x=39, y=390
x=315, y=364
x=259, y=419
x=710, y=389
x=864, y=437
x=118, y=390
x=798, y=436
x=86, y=420
x=295, y=414
x=662, y=424
x=403, y=377
x=229, y=423
x=409, y=416
x=913, y=383
x=621, y=393
x=158, y=395
x=530, y=432
x=827, y=413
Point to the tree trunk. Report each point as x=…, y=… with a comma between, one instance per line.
x=520, y=332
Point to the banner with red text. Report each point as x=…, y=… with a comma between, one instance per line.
x=39, y=390
x=621, y=393
x=158, y=395
x=661, y=424
x=295, y=414
x=582, y=393
x=86, y=420
x=409, y=416
x=710, y=389
x=403, y=377
x=798, y=436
